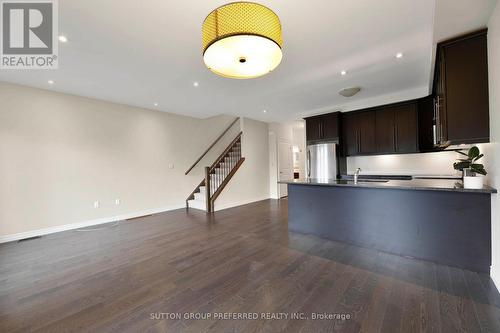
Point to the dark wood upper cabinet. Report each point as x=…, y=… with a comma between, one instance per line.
x=385, y=129
x=350, y=137
x=330, y=126
x=358, y=133
x=396, y=128
x=426, y=124
x=366, y=133
x=461, y=89
x=323, y=128
x=406, y=128
x=313, y=131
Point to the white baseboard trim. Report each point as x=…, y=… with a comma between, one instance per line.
x=219, y=207
x=78, y=225
x=495, y=276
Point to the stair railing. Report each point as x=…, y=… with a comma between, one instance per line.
x=221, y=171
x=211, y=146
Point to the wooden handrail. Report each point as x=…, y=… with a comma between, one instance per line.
x=211, y=146
x=221, y=156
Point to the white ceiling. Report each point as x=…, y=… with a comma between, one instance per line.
x=141, y=52
x=454, y=17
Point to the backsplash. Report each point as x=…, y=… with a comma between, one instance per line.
x=440, y=163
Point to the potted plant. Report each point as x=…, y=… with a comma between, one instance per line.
x=471, y=169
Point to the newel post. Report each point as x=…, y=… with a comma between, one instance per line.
x=207, y=190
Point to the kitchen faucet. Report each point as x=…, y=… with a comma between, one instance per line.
x=356, y=175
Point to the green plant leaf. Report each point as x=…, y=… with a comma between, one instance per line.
x=479, y=157
x=462, y=153
x=478, y=168
x=473, y=152
x=480, y=171
x=461, y=165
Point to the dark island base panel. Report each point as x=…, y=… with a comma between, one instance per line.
x=449, y=228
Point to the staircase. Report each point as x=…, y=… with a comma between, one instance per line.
x=217, y=176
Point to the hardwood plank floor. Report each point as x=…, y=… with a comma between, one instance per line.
x=125, y=278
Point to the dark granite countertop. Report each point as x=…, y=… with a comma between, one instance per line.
x=451, y=185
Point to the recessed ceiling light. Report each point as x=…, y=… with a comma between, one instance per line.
x=51, y=82
x=155, y=104
x=264, y=111
x=63, y=39
x=399, y=55
x=343, y=73
x=196, y=84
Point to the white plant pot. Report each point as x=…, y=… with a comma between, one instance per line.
x=476, y=182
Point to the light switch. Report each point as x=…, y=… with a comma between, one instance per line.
x=96, y=204
x=171, y=166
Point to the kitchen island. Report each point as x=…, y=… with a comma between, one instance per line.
x=430, y=219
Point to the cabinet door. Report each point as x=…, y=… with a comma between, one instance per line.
x=313, y=129
x=330, y=127
x=406, y=122
x=350, y=135
x=385, y=130
x=466, y=86
x=366, y=132
x=426, y=113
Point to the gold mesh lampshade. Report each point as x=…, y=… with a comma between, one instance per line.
x=242, y=40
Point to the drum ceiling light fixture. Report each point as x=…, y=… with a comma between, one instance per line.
x=242, y=40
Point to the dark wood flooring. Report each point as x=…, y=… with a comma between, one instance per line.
x=241, y=260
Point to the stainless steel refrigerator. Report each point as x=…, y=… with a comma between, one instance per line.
x=321, y=161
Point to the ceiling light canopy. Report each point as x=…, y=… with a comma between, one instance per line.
x=349, y=92
x=242, y=40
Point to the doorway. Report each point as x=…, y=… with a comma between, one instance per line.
x=285, y=166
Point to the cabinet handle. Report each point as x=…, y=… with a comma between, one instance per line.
x=396, y=143
x=358, y=140
x=394, y=138
x=438, y=122
x=308, y=163
x=439, y=125
x=435, y=125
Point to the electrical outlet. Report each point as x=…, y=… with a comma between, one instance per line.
x=117, y=202
x=97, y=204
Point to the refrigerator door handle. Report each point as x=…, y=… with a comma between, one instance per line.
x=308, y=163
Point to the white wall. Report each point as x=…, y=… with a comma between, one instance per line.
x=278, y=132
x=251, y=182
x=299, y=140
x=59, y=153
x=494, y=146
